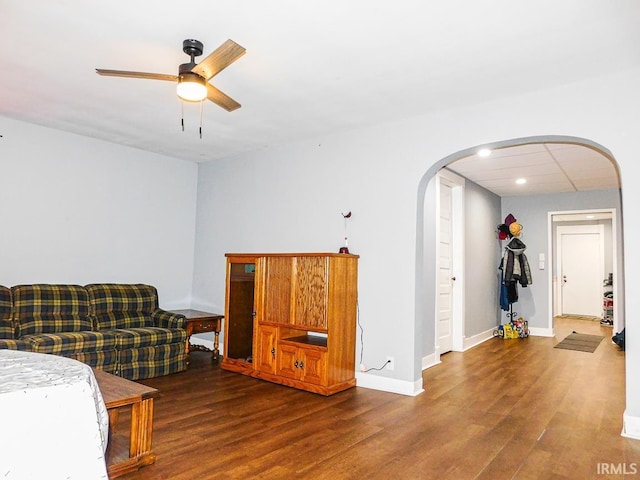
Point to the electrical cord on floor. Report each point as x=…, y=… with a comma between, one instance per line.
x=378, y=369
x=362, y=343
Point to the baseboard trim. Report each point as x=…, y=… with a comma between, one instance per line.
x=391, y=385
x=630, y=426
x=470, y=342
x=430, y=361
x=541, y=332
x=433, y=359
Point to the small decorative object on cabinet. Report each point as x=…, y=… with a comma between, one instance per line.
x=290, y=318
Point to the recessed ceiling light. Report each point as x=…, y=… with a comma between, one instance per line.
x=521, y=181
x=484, y=152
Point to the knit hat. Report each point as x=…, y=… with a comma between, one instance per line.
x=503, y=231
x=509, y=219
x=515, y=228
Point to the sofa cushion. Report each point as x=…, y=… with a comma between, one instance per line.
x=69, y=343
x=149, y=362
x=148, y=337
x=122, y=305
x=46, y=308
x=10, y=344
x=6, y=330
x=105, y=360
x=6, y=327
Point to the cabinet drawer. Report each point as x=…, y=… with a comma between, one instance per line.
x=202, y=326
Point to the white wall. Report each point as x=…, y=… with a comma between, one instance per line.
x=290, y=199
x=482, y=257
x=79, y=210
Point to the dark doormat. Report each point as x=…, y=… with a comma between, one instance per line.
x=580, y=342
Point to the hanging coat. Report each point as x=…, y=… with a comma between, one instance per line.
x=504, y=293
x=515, y=269
x=515, y=266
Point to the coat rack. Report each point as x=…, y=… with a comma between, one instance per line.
x=515, y=270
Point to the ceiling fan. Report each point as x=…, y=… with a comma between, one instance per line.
x=193, y=78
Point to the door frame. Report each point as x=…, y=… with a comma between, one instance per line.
x=617, y=283
x=456, y=183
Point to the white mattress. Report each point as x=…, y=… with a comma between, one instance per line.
x=53, y=420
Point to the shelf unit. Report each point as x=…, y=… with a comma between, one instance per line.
x=291, y=319
x=607, y=301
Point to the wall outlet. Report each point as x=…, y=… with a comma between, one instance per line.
x=390, y=363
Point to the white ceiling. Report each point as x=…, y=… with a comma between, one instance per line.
x=311, y=68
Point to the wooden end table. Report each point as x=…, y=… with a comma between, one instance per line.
x=119, y=392
x=202, y=322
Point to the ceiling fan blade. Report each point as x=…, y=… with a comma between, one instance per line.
x=221, y=99
x=149, y=76
x=220, y=58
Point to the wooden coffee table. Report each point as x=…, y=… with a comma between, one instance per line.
x=117, y=393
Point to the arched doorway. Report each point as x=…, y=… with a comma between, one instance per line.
x=538, y=303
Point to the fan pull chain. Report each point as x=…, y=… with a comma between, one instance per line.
x=201, y=104
x=182, y=114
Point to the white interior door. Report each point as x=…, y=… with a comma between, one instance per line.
x=581, y=269
x=445, y=271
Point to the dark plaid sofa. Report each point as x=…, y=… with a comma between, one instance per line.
x=118, y=328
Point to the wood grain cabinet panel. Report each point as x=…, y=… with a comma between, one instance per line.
x=310, y=292
x=277, y=277
x=266, y=349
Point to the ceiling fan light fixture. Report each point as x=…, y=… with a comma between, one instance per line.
x=191, y=87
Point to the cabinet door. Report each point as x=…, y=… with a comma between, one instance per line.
x=276, y=307
x=311, y=292
x=299, y=363
x=312, y=365
x=287, y=361
x=266, y=350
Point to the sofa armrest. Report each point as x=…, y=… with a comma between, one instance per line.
x=164, y=319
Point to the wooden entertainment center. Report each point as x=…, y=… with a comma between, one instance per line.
x=290, y=318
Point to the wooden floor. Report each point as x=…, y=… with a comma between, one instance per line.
x=505, y=409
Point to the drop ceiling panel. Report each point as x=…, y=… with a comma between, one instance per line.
x=521, y=150
x=537, y=180
x=548, y=168
x=511, y=161
x=596, y=184
x=606, y=174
